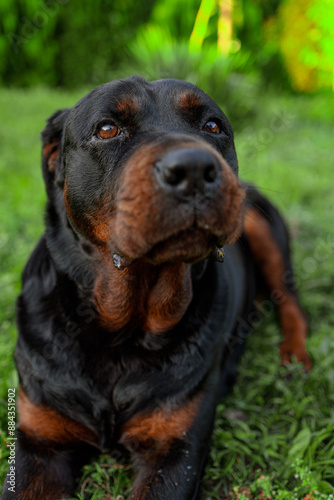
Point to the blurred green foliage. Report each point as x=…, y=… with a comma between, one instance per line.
x=303, y=32
x=65, y=42
x=74, y=43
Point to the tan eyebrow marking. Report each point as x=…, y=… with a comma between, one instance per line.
x=127, y=105
x=189, y=101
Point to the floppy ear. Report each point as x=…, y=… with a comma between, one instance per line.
x=51, y=136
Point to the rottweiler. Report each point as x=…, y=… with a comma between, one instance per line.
x=139, y=297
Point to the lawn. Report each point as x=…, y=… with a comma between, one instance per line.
x=274, y=434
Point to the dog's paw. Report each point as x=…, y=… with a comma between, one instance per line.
x=290, y=350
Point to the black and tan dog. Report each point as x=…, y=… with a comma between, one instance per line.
x=129, y=326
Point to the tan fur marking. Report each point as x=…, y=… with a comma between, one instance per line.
x=42, y=422
x=50, y=152
x=169, y=298
x=189, y=101
x=269, y=258
x=157, y=430
x=128, y=106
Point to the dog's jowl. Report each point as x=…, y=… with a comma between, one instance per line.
x=131, y=321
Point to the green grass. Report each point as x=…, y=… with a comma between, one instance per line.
x=274, y=435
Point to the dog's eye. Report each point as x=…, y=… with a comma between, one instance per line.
x=107, y=131
x=212, y=127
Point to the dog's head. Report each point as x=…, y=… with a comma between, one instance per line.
x=146, y=170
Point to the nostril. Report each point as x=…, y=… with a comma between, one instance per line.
x=210, y=173
x=175, y=175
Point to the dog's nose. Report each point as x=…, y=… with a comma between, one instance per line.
x=188, y=171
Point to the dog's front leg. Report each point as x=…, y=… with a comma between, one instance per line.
x=169, y=448
x=42, y=472
x=50, y=450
